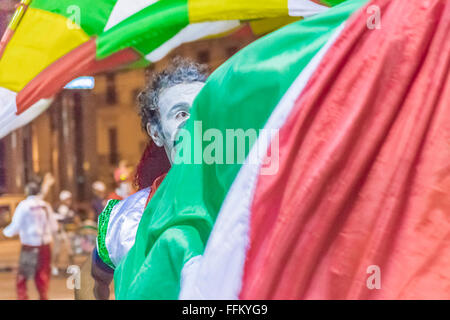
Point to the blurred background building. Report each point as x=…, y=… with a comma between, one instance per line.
x=85, y=133
x=80, y=139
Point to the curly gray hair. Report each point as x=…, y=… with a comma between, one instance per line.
x=180, y=71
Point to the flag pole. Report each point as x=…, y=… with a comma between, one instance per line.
x=15, y=21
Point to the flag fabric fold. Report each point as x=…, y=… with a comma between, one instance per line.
x=350, y=114
x=358, y=206
x=175, y=233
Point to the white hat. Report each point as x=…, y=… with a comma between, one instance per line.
x=64, y=195
x=98, y=186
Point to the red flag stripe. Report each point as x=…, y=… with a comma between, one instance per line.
x=50, y=81
x=364, y=175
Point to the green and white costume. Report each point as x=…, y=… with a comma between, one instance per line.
x=117, y=226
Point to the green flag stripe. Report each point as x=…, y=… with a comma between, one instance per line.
x=241, y=94
x=331, y=3
x=142, y=63
x=146, y=30
x=91, y=16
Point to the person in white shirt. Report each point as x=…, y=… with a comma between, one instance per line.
x=35, y=224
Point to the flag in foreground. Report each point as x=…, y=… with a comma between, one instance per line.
x=359, y=193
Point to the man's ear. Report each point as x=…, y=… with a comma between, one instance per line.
x=154, y=133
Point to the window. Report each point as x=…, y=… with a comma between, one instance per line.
x=111, y=94
x=134, y=97
x=79, y=144
x=231, y=51
x=26, y=153
x=203, y=56
x=113, y=153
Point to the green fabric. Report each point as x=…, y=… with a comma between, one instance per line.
x=151, y=27
x=331, y=3
x=266, y=71
x=146, y=30
x=93, y=15
x=142, y=63
x=242, y=93
x=103, y=221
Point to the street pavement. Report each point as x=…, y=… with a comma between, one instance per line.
x=9, y=257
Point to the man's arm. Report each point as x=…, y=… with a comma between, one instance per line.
x=86, y=291
x=103, y=276
x=96, y=278
x=47, y=183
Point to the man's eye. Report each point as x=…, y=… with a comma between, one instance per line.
x=182, y=115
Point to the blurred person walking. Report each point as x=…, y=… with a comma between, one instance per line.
x=123, y=177
x=99, y=200
x=35, y=223
x=67, y=221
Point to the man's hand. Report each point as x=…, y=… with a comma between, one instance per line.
x=102, y=280
x=47, y=183
x=95, y=282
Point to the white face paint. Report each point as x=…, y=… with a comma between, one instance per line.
x=174, y=110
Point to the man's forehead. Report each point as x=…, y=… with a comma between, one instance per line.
x=179, y=94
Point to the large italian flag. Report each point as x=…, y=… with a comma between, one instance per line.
x=357, y=206
x=51, y=42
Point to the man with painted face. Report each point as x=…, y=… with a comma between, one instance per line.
x=164, y=107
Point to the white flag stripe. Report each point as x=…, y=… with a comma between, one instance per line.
x=125, y=9
x=304, y=8
x=218, y=273
x=9, y=121
x=191, y=33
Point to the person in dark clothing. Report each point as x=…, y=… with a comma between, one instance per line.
x=99, y=200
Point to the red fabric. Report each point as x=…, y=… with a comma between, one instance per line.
x=155, y=187
x=5, y=40
x=364, y=176
x=114, y=196
x=41, y=278
x=153, y=163
x=52, y=79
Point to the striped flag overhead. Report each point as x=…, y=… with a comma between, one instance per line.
x=51, y=42
x=361, y=184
